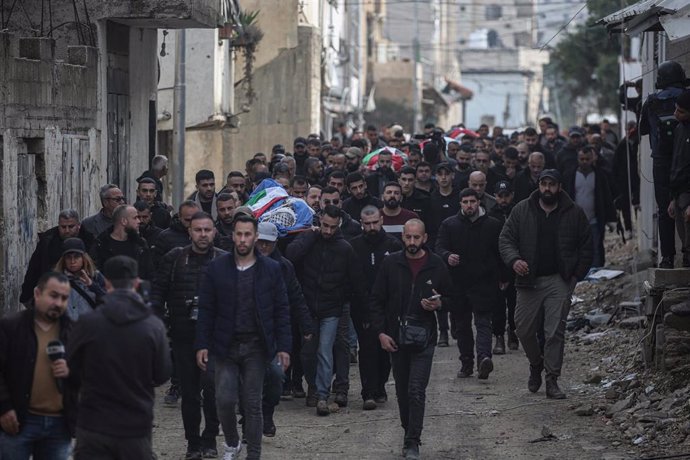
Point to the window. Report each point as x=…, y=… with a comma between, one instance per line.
x=493, y=12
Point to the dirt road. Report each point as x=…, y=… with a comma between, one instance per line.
x=465, y=419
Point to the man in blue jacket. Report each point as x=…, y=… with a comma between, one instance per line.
x=243, y=323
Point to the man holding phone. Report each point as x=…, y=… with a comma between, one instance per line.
x=394, y=304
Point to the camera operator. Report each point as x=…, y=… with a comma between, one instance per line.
x=175, y=287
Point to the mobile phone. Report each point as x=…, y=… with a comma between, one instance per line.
x=435, y=297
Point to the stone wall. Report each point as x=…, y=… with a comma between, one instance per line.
x=49, y=146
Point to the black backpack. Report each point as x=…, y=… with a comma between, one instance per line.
x=663, y=109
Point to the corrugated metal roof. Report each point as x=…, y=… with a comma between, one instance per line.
x=629, y=11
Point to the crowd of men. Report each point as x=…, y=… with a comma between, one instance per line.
x=434, y=239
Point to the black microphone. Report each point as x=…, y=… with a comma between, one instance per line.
x=56, y=350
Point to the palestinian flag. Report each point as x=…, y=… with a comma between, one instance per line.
x=268, y=193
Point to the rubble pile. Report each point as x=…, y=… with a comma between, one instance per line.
x=649, y=408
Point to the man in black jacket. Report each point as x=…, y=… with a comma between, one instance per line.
x=468, y=243
x=123, y=239
x=49, y=249
x=359, y=195
x=408, y=288
x=548, y=243
x=679, y=183
x=527, y=180
x=414, y=199
x=177, y=235
x=371, y=248
x=147, y=229
x=120, y=346
x=302, y=329
x=36, y=413
x=160, y=212
x=174, y=291
x=327, y=269
x=383, y=174
x=348, y=225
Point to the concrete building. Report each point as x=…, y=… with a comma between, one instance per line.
x=77, y=109
x=309, y=73
x=501, y=63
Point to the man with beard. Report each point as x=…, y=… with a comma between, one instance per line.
x=314, y=170
x=552, y=144
x=504, y=205
x=327, y=270
x=236, y=182
x=464, y=167
x=349, y=226
x=337, y=179
x=147, y=229
x=225, y=207
x=394, y=215
x=424, y=181
x=548, y=243
x=408, y=289
x=359, y=195
x=123, y=239
x=111, y=197
x=588, y=186
x=174, y=291
x=382, y=175
x=36, y=414
x=468, y=243
x=510, y=167
x=482, y=161
x=178, y=233
x=160, y=213
x=353, y=156
x=205, y=195
x=313, y=197
x=243, y=324
x=299, y=148
x=371, y=248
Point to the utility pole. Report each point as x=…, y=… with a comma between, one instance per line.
x=416, y=99
x=179, y=107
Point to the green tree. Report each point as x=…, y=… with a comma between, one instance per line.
x=585, y=62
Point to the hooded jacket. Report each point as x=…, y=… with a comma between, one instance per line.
x=117, y=355
x=519, y=237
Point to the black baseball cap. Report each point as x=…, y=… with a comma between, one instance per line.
x=278, y=148
x=503, y=187
x=550, y=174
x=121, y=268
x=300, y=141
x=73, y=245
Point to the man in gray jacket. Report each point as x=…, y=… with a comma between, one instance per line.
x=547, y=242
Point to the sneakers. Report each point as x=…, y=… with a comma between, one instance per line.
x=172, y=396
x=369, y=404
x=341, y=399
x=552, y=390
x=269, y=427
x=410, y=451
x=500, y=347
x=513, y=341
x=232, y=453
x=534, y=382
x=322, y=407
x=286, y=395
x=209, y=452
x=442, y=339
x=466, y=371
x=666, y=262
x=485, y=368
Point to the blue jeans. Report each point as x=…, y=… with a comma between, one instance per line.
x=328, y=328
x=46, y=438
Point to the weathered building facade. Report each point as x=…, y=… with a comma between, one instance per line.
x=77, y=109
